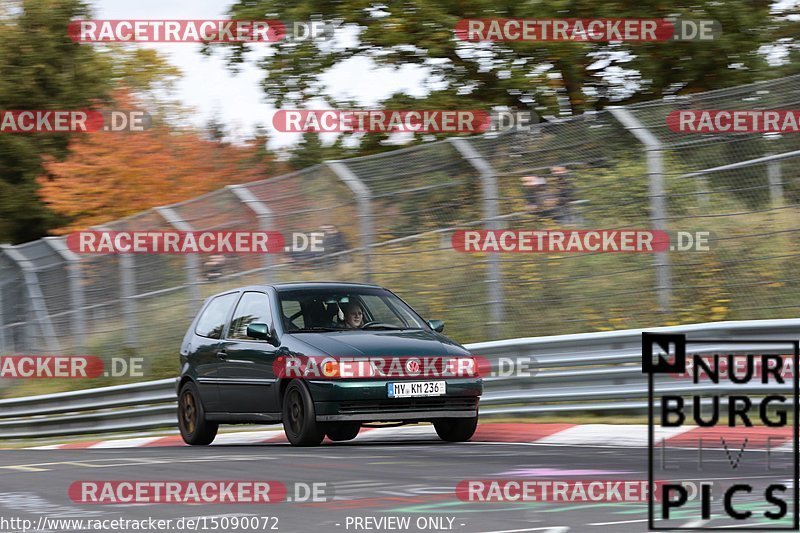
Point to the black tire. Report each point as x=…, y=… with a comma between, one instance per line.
x=456, y=429
x=342, y=431
x=299, y=417
x=195, y=429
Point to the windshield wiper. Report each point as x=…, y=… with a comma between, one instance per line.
x=382, y=326
x=313, y=329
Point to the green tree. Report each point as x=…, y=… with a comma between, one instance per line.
x=40, y=68
x=520, y=74
x=310, y=151
x=150, y=78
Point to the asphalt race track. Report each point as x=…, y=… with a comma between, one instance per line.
x=413, y=478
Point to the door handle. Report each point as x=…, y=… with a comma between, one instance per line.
x=222, y=354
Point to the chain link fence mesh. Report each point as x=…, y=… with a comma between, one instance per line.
x=419, y=196
x=392, y=216
x=721, y=183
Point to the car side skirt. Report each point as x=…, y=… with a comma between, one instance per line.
x=253, y=418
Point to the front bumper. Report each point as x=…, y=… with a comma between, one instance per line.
x=410, y=416
x=367, y=401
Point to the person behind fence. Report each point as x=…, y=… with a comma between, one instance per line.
x=565, y=194
x=541, y=196
x=532, y=189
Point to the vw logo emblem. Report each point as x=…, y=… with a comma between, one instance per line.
x=412, y=366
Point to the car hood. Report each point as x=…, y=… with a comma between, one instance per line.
x=382, y=343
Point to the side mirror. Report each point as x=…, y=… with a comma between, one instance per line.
x=436, y=325
x=259, y=331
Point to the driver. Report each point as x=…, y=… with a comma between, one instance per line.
x=353, y=315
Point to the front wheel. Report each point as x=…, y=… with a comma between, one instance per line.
x=299, y=417
x=456, y=429
x=195, y=430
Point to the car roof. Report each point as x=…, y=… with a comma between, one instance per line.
x=321, y=285
x=303, y=285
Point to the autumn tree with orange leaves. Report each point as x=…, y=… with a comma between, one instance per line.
x=109, y=175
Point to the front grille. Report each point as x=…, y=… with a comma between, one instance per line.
x=409, y=404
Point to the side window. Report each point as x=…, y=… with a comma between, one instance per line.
x=291, y=308
x=212, y=322
x=252, y=308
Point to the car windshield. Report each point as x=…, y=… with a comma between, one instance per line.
x=319, y=310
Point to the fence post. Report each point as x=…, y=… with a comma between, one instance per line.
x=264, y=215
x=775, y=182
x=494, y=276
x=658, y=205
x=364, y=200
x=2, y=319
x=127, y=285
x=3, y=343
x=192, y=260
x=75, y=280
x=38, y=304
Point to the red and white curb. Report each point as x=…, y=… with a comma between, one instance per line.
x=524, y=433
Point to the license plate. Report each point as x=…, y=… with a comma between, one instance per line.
x=410, y=389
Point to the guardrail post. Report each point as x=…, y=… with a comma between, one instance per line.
x=364, y=200
x=494, y=278
x=658, y=205
x=38, y=304
x=192, y=260
x=75, y=280
x=264, y=215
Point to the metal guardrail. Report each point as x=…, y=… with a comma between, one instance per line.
x=589, y=372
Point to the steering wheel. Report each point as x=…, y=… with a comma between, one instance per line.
x=372, y=323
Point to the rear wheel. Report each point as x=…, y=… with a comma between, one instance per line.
x=342, y=431
x=456, y=429
x=194, y=428
x=299, y=417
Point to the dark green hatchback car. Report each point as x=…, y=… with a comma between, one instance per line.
x=325, y=359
